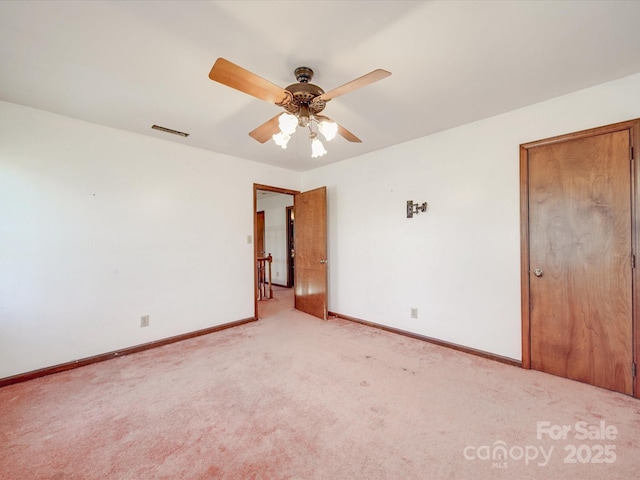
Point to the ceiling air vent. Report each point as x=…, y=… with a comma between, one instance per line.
x=169, y=130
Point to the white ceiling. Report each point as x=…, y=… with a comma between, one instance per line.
x=132, y=64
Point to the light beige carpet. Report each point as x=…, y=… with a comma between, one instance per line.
x=295, y=397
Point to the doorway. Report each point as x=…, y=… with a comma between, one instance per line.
x=579, y=291
x=272, y=242
x=302, y=240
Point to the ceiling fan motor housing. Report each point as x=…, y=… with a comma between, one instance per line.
x=303, y=74
x=304, y=93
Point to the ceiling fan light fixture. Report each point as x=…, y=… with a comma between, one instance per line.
x=303, y=115
x=328, y=129
x=281, y=139
x=317, y=149
x=288, y=123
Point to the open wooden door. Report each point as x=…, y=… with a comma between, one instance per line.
x=310, y=209
x=260, y=234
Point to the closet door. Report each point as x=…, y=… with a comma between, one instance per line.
x=580, y=258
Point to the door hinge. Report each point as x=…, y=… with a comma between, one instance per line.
x=633, y=261
x=633, y=369
x=630, y=152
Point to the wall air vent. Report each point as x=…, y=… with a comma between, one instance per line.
x=168, y=130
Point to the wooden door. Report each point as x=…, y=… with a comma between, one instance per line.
x=579, y=271
x=310, y=210
x=291, y=256
x=260, y=234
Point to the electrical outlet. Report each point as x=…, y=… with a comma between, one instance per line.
x=144, y=321
x=414, y=312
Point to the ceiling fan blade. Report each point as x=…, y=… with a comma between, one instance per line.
x=341, y=130
x=265, y=131
x=347, y=134
x=234, y=76
x=364, y=80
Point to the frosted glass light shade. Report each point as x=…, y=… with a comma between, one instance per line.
x=288, y=123
x=281, y=139
x=317, y=149
x=328, y=129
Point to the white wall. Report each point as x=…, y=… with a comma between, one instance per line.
x=459, y=263
x=275, y=233
x=100, y=226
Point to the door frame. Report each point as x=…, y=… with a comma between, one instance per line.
x=634, y=134
x=268, y=188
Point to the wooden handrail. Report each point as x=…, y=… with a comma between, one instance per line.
x=264, y=268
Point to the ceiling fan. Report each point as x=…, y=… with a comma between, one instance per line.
x=303, y=102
